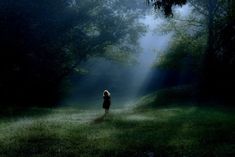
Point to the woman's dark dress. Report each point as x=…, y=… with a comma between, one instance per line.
x=107, y=102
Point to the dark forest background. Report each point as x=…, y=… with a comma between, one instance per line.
x=43, y=42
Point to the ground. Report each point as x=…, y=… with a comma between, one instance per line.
x=174, y=130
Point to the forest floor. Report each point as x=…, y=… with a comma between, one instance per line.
x=173, y=130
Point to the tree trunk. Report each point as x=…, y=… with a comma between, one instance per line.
x=211, y=13
x=210, y=65
x=217, y=77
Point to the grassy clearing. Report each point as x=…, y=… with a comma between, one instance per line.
x=163, y=131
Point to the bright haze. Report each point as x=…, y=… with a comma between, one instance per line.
x=125, y=82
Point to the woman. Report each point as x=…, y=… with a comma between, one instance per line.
x=107, y=101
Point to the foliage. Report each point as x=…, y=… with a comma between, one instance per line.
x=184, y=52
x=218, y=65
x=165, y=5
x=167, y=96
x=42, y=42
x=181, y=62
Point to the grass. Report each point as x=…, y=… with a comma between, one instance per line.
x=174, y=131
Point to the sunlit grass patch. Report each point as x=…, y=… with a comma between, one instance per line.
x=161, y=131
x=139, y=117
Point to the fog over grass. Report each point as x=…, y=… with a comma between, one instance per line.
x=160, y=105
x=124, y=81
x=168, y=131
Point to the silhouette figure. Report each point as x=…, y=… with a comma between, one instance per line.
x=107, y=101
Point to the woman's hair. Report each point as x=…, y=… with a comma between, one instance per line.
x=106, y=91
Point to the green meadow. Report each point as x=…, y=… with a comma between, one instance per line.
x=143, y=130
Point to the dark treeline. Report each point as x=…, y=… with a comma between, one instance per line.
x=42, y=42
x=219, y=62
x=33, y=35
x=212, y=67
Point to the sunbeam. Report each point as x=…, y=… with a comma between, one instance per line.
x=125, y=82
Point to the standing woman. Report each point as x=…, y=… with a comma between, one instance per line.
x=107, y=101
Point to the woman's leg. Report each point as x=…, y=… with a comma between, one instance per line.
x=106, y=111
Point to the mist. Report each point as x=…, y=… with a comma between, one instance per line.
x=124, y=81
x=168, y=64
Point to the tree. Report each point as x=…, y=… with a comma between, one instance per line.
x=184, y=56
x=42, y=42
x=218, y=66
x=165, y=5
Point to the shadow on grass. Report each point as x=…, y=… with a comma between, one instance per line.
x=99, y=119
x=190, y=132
x=141, y=138
x=182, y=132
